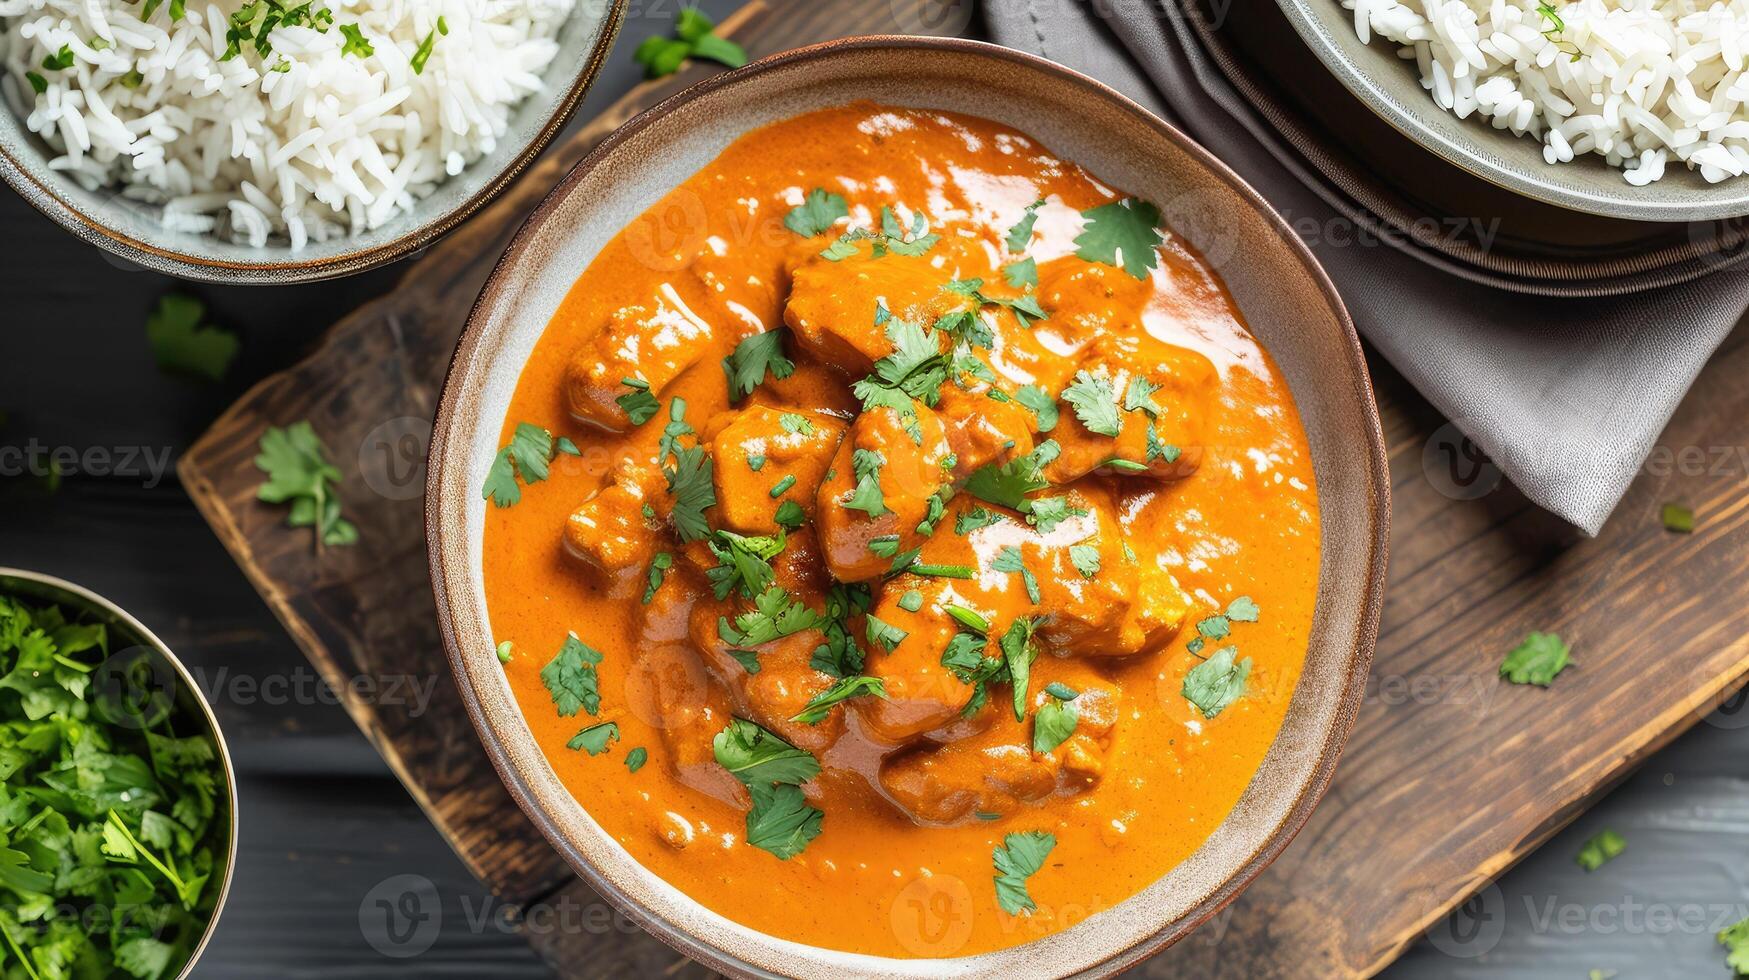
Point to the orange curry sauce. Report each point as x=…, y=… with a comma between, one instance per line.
x=915, y=797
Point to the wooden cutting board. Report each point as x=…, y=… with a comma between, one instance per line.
x=1450, y=776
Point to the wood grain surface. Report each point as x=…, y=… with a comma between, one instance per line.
x=1450, y=776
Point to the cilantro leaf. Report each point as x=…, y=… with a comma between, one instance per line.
x=743, y=562
x=1600, y=849
x=1048, y=512
x=795, y=424
x=299, y=473
x=1085, y=558
x=528, y=455
x=1217, y=682
x=1053, y=723
x=882, y=633
x=747, y=365
x=1008, y=484
x=817, y=213
x=1022, y=274
x=1041, y=403
x=790, y=515
x=639, y=404
x=839, y=656
x=781, y=820
x=867, y=497
x=1018, y=653
x=181, y=345
x=595, y=738
x=915, y=369
x=1537, y=660
x=1019, y=858
x=1123, y=233
x=690, y=484
x=356, y=44
x=775, y=614
x=1735, y=939
x=972, y=520
x=1094, y=402
x=1139, y=397
x=570, y=678
x=1009, y=560
x=636, y=758
x=1020, y=235
x=841, y=690
x=1243, y=610
x=659, y=565
x=755, y=755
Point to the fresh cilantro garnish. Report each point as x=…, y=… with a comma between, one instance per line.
x=529, y=456
x=1018, y=653
x=1061, y=691
x=182, y=345
x=1217, y=682
x=60, y=60
x=636, y=758
x=1678, y=519
x=697, y=31
x=794, y=424
x=1008, y=484
x=969, y=618
x=298, y=471
x=1009, y=560
x=882, y=633
x=659, y=566
x=1047, y=512
x=114, y=822
x=747, y=365
x=1053, y=723
x=1094, y=402
x=790, y=515
x=839, y=656
x=595, y=738
x=756, y=463
x=916, y=369
x=780, y=821
x=1020, y=235
x=866, y=464
x=1139, y=397
x=1160, y=450
x=901, y=241
x=668, y=446
x=1022, y=274
x=1217, y=627
x=1041, y=403
x=38, y=83
x=1123, y=233
x=505, y=651
x=423, y=53
x=1537, y=660
x=972, y=520
x=1085, y=558
x=1600, y=850
x=689, y=483
x=1019, y=858
x=775, y=614
x=639, y=404
x=911, y=600
x=743, y=562
x=1735, y=939
x=843, y=689
x=356, y=43
x=1243, y=610
x=817, y=213
x=570, y=678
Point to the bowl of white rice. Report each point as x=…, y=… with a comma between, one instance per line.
x=275, y=141
x=1634, y=109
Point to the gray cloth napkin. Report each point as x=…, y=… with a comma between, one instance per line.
x=1567, y=396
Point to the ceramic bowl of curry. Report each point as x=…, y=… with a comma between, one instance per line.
x=900, y=509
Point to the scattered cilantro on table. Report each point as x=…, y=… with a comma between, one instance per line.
x=1019, y=858
x=299, y=473
x=112, y=811
x=1600, y=850
x=181, y=344
x=694, y=37
x=1537, y=660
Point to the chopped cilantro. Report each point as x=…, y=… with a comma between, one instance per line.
x=1020, y=235
x=1018, y=653
x=1053, y=723
x=780, y=821
x=659, y=566
x=1599, y=850
x=1735, y=939
x=795, y=424
x=1094, y=402
x=743, y=563
x=1008, y=484
x=639, y=404
x=40, y=84
x=790, y=515
x=182, y=345
x=969, y=618
x=1537, y=660
x=1123, y=233
x=356, y=43
x=1678, y=519
x=911, y=601
x=676, y=430
x=753, y=358
x=528, y=455
x=817, y=213
x=1022, y=274
x=1243, y=610
x=972, y=520
x=689, y=483
x=867, y=497
x=1009, y=560
x=942, y=571
x=775, y=614
x=60, y=60
x=756, y=463
x=423, y=53
x=882, y=633
x=298, y=472
x=1019, y=858
x=1139, y=397
x=595, y=738
x=916, y=369
x=1041, y=403
x=839, y=656
x=636, y=758
x=570, y=678
x=1061, y=691
x=505, y=651
x=843, y=689
x=1047, y=512
x=1085, y=558
x=1217, y=682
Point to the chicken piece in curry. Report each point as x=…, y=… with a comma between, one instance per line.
x=917, y=532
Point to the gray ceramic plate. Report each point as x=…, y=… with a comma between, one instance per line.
x=131, y=230
x=1283, y=294
x=128, y=637
x=1390, y=87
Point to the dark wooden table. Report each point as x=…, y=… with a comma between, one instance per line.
x=328, y=830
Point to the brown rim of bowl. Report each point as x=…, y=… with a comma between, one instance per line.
x=81, y=594
x=1372, y=602
x=63, y=213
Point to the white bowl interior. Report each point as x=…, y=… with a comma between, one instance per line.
x=1270, y=278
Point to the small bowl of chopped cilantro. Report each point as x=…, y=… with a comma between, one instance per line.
x=118, y=816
